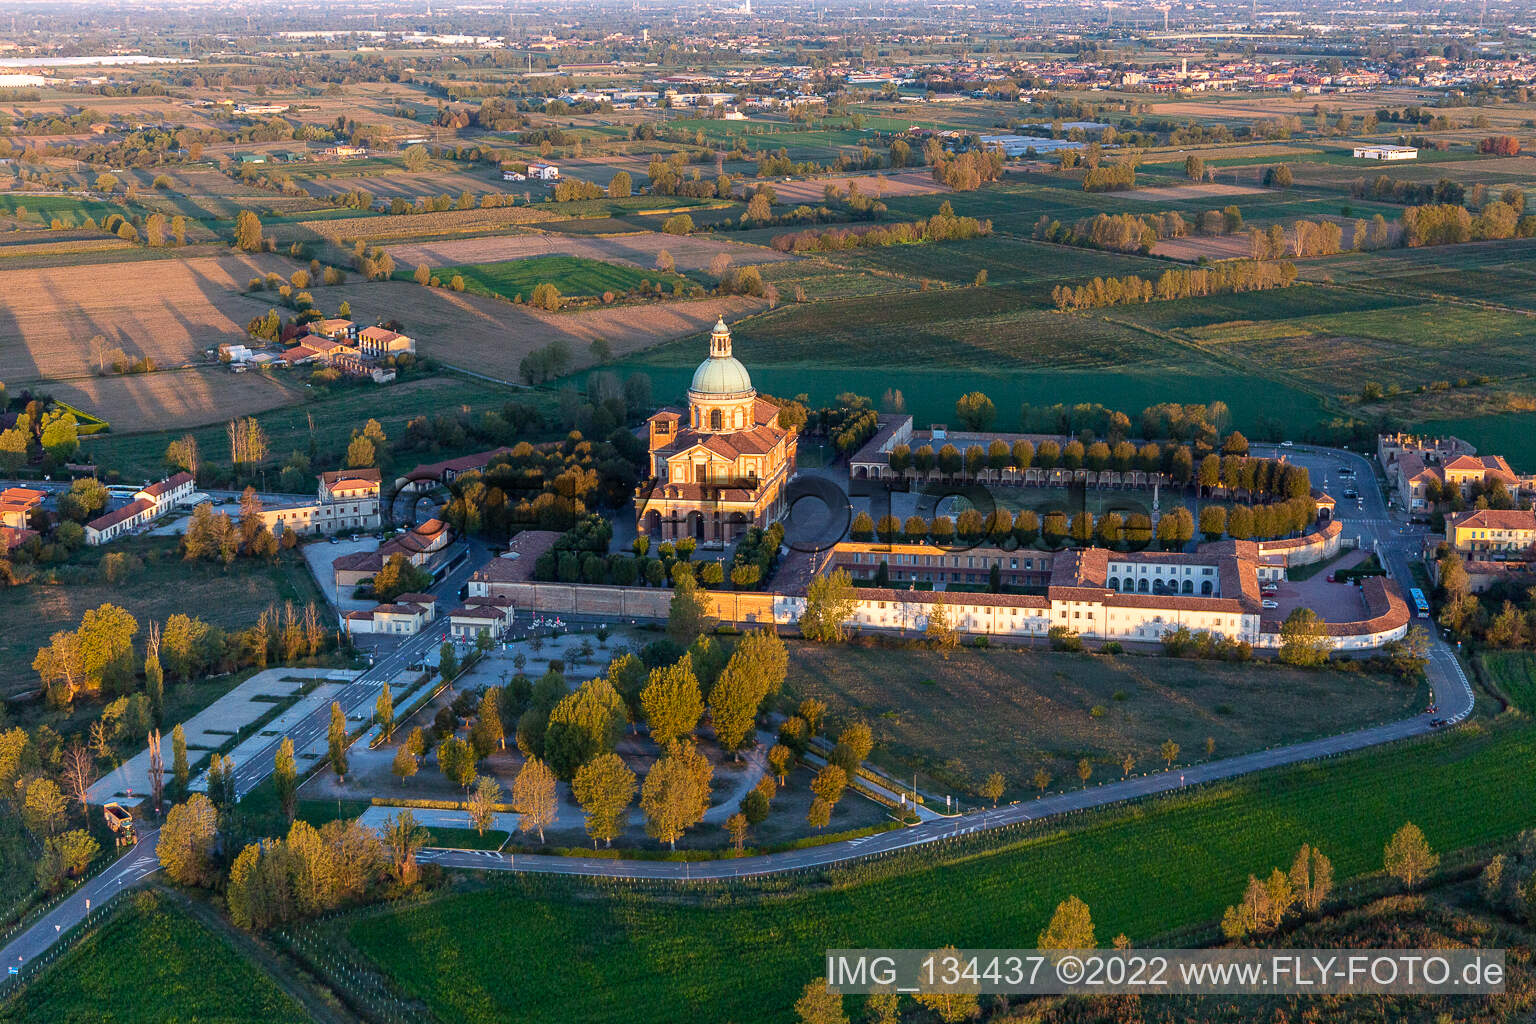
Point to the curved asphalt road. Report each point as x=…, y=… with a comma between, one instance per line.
x=1371, y=523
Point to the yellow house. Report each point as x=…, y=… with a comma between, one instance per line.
x=1487, y=531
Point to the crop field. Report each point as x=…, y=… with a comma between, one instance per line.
x=573, y=275
x=174, y=399
x=881, y=186
x=167, y=309
x=230, y=598
x=398, y=183
x=724, y=954
x=690, y=253
x=334, y=416
x=399, y=227
x=937, y=345
x=148, y=946
x=1502, y=273
x=956, y=721
x=1008, y=260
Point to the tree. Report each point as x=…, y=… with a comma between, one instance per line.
x=285, y=778
x=404, y=839
x=676, y=793
x=951, y=1003
x=619, y=187
x=248, y=232
x=820, y=1005
x=829, y=600
x=1279, y=176
x=186, y=841
x=456, y=759
x=447, y=661
x=584, y=724
x=734, y=701
x=1304, y=639
x=779, y=758
x=992, y=789
x=1311, y=878
x=1041, y=779
x=686, y=614
x=1170, y=752
x=939, y=629
x=482, y=803
x=405, y=764
x=65, y=856
x=1407, y=856
x=1194, y=167
x=534, y=796
x=179, y=768
x=336, y=739
x=415, y=158
x=44, y=806
x=604, y=788
x=1071, y=927
x=672, y=702
x=975, y=411
x=79, y=771
x=13, y=450
x=384, y=712
x=830, y=783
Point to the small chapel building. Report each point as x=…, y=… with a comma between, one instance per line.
x=721, y=467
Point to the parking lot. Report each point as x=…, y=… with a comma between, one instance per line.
x=1334, y=602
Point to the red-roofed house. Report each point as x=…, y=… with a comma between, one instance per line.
x=16, y=505
x=347, y=499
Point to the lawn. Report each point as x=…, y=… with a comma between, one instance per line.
x=152, y=963
x=573, y=275
x=956, y=721
x=1515, y=674
x=229, y=597
x=322, y=426
x=603, y=952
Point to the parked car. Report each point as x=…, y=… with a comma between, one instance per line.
x=1271, y=604
x=1331, y=578
x=1285, y=444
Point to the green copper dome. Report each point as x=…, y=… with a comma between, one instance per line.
x=722, y=373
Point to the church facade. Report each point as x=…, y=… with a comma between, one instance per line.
x=720, y=467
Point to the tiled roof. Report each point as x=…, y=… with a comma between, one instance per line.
x=167, y=485
x=1495, y=519
x=123, y=514
x=479, y=460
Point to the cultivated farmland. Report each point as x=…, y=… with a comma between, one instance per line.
x=637, y=249
x=167, y=309
x=173, y=399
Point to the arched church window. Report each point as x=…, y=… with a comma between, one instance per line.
x=714, y=419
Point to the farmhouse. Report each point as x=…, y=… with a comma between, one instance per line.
x=1380, y=152
x=492, y=616
x=719, y=468
x=539, y=171
x=346, y=499
x=381, y=343
x=154, y=501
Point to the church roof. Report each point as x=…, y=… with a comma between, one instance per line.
x=721, y=375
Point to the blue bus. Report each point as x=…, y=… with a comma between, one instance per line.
x=1421, y=605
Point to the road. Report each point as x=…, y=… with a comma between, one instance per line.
x=130, y=869
x=1370, y=522
x=357, y=697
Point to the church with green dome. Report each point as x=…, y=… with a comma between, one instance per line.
x=719, y=467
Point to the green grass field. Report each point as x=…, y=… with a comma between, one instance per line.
x=573, y=275
x=151, y=963
x=332, y=416
x=231, y=598
x=603, y=952
x=1515, y=674
x=956, y=721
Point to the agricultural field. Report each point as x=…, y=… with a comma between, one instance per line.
x=690, y=252
x=167, y=309
x=955, y=721
x=936, y=345
x=174, y=399
x=146, y=947
x=572, y=275
x=229, y=597
x=744, y=951
x=1515, y=674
